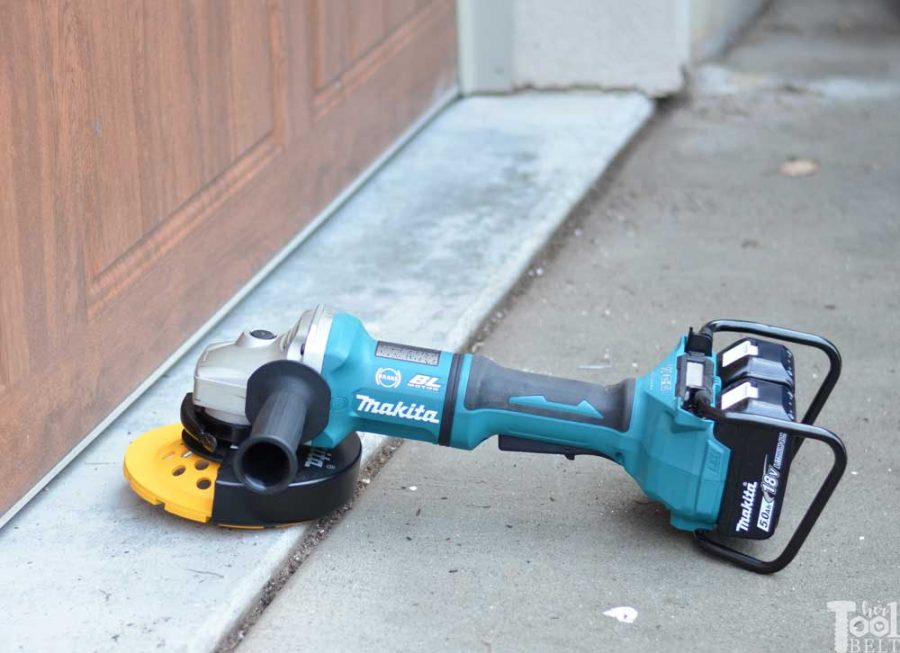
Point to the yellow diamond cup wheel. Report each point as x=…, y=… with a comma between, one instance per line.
x=162, y=470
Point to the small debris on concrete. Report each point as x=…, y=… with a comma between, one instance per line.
x=799, y=167
x=625, y=614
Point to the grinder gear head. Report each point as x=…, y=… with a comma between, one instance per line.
x=241, y=456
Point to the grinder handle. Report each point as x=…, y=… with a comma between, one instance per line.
x=492, y=385
x=540, y=413
x=287, y=404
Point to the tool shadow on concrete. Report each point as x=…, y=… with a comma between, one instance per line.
x=494, y=551
x=422, y=253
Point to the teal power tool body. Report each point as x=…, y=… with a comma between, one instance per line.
x=711, y=436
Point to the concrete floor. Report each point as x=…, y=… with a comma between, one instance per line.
x=496, y=551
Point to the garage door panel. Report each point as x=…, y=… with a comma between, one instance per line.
x=153, y=156
x=187, y=93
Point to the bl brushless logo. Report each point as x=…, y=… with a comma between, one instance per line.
x=388, y=377
x=401, y=409
x=425, y=382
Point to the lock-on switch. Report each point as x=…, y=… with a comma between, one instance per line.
x=695, y=373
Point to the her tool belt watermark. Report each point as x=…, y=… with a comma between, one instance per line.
x=865, y=628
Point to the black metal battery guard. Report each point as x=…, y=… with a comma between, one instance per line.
x=701, y=403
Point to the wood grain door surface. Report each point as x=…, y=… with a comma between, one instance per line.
x=153, y=156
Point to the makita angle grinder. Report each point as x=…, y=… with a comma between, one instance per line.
x=268, y=435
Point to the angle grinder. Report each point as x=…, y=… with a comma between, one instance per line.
x=268, y=436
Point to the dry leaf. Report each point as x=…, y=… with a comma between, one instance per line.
x=799, y=167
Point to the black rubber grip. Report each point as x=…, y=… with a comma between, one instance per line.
x=287, y=403
x=282, y=417
x=493, y=386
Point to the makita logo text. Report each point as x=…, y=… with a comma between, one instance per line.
x=317, y=457
x=747, y=499
x=414, y=412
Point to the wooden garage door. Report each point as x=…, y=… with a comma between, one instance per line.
x=153, y=155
